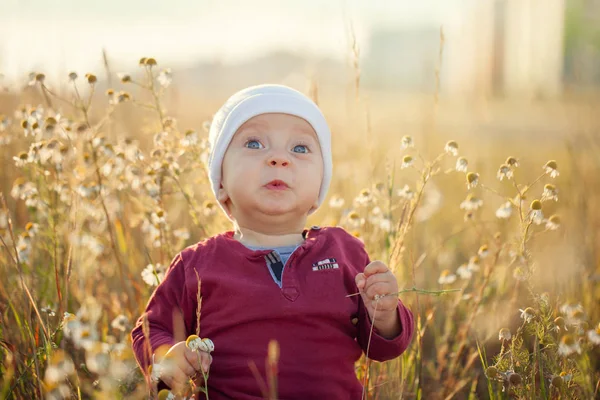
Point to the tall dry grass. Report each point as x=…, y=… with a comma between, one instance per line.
x=496, y=200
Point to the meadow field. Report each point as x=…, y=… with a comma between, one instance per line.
x=485, y=208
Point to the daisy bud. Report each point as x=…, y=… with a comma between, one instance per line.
x=40, y=78
x=514, y=379
x=536, y=205
x=557, y=381
x=504, y=334
x=407, y=142
x=472, y=180
x=550, y=193
x=142, y=61
x=491, y=372
x=461, y=164
x=504, y=172
x=451, y=148
x=124, y=77
x=72, y=76
x=512, y=162
x=551, y=168
x=91, y=78
x=166, y=395
x=553, y=223
x=407, y=161
x=150, y=62
x=483, y=251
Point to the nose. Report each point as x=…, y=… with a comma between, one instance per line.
x=278, y=159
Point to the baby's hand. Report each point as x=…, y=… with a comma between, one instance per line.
x=181, y=362
x=376, y=281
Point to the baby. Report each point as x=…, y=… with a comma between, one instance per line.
x=270, y=166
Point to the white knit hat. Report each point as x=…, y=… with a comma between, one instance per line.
x=262, y=99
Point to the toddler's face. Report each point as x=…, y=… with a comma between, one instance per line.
x=273, y=166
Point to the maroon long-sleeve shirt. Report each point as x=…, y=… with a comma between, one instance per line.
x=321, y=332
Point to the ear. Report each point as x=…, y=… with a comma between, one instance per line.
x=223, y=197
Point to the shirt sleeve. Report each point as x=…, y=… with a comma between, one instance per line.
x=381, y=348
x=164, y=315
x=375, y=346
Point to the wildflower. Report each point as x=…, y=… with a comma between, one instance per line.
x=483, y=251
x=461, y=164
x=124, y=77
x=505, y=211
x=150, y=62
x=550, y=193
x=209, y=208
x=557, y=381
x=514, y=379
x=153, y=275
x=520, y=274
x=91, y=78
x=380, y=188
x=60, y=366
x=568, y=345
x=446, y=277
x=451, y=148
x=504, y=172
x=471, y=203
x=385, y=224
x=120, y=322
x=158, y=217
x=559, y=324
x=570, y=308
x=48, y=310
x=407, y=161
x=364, y=198
x=472, y=180
x=22, y=159
x=527, y=314
x=194, y=343
x=72, y=76
x=165, y=77
x=97, y=358
x=594, y=335
x=182, y=234
x=407, y=141
x=474, y=264
x=491, y=372
x=464, y=272
x=336, y=202
x=406, y=193
x=190, y=138
x=354, y=219
x=512, y=162
x=551, y=169
x=504, y=334
x=165, y=394
x=4, y=123
x=553, y=223
x=535, y=214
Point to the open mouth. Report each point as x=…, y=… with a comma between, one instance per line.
x=277, y=185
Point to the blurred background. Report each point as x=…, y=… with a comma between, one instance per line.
x=518, y=78
x=495, y=47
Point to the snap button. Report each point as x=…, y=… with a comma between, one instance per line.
x=315, y=228
x=354, y=321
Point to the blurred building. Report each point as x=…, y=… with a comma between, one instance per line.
x=495, y=47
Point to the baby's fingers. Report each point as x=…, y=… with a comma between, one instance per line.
x=199, y=360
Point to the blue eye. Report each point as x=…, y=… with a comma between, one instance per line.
x=254, y=144
x=300, y=149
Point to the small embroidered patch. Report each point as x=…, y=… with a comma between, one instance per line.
x=328, y=263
